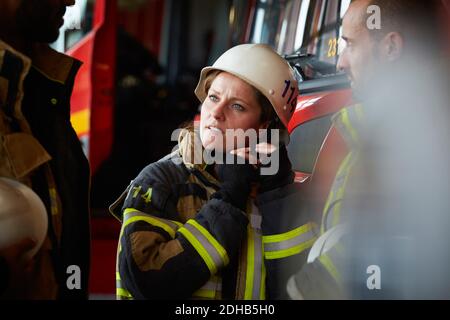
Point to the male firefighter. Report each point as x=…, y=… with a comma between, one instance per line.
x=40, y=148
x=387, y=66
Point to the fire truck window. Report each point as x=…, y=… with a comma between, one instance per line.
x=301, y=26
x=276, y=23
x=238, y=15
x=328, y=34
x=320, y=21
x=305, y=144
x=77, y=23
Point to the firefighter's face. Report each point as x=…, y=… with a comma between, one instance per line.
x=231, y=103
x=40, y=20
x=358, y=58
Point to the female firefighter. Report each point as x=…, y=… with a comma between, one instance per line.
x=222, y=230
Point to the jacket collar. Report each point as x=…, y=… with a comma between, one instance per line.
x=190, y=149
x=53, y=65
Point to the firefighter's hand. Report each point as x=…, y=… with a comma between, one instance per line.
x=283, y=175
x=236, y=181
x=252, y=157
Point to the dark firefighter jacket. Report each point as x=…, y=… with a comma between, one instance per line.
x=324, y=278
x=177, y=242
x=39, y=147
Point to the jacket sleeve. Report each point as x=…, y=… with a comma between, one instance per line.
x=289, y=231
x=325, y=277
x=4, y=275
x=160, y=258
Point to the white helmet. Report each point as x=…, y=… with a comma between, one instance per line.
x=22, y=215
x=260, y=66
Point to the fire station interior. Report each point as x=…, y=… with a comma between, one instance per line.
x=154, y=51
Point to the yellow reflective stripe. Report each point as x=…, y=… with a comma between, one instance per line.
x=255, y=272
x=341, y=192
x=123, y=293
x=262, y=293
x=335, y=192
x=359, y=111
x=210, y=290
x=250, y=264
x=270, y=255
x=348, y=125
x=289, y=243
x=325, y=211
x=339, y=248
x=129, y=211
x=344, y=164
x=150, y=220
x=54, y=202
x=329, y=265
x=202, y=293
x=337, y=207
x=153, y=222
x=200, y=249
x=221, y=250
x=289, y=235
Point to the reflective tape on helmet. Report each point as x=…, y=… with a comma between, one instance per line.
x=290, y=243
x=212, y=253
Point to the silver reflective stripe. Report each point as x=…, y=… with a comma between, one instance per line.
x=210, y=290
x=257, y=274
x=336, y=256
x=217, y=259
x=327, y=241
x=210, y=286
x=127, y=216
x=255, y=217
x=333, y=263
x=213, y=285
x=255, y=253
x=282, y=245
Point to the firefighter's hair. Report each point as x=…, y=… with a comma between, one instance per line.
x=416, y=20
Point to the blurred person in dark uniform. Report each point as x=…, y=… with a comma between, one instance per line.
x=40, y=147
